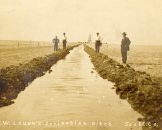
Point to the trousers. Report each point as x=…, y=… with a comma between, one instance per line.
x=124, y=56
x=55, y=47
x=97, y=46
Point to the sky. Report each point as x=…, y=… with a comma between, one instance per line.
x=43, y=19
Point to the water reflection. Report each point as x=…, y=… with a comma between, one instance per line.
x=70, y=93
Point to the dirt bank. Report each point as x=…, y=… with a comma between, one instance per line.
x=142, y=91
x=146, y=58
x=10, y=55
x=14, y=79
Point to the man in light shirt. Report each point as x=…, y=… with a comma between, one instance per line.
x=98, y=43
x=64, y=41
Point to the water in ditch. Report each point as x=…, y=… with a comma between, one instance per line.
x=72, y=97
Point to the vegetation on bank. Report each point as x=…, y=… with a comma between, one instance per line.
x=14, y=79
x=142, y=91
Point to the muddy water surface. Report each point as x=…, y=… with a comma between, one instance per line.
x=72, y=96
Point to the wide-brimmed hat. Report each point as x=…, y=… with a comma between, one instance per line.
x=124, y=33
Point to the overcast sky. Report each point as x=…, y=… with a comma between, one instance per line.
x=43, y=19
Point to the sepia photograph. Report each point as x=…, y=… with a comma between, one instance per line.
x=80, y=65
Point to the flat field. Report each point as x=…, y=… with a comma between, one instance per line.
x=14, y=52
x=146, y=58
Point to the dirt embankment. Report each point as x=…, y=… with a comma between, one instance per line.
x=142, y=91
x=14, y=79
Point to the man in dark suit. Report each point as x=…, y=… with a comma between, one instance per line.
x=56, y=42
x=125, y=47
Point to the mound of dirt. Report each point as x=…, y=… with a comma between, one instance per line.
x=14, y=79
x=142, y=91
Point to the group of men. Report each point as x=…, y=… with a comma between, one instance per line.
x=98, y=43
x=56, y=42
x=124, y=46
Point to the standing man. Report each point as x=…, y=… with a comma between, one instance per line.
x=64, y=41
x=56, y=42
x=125, y=47
x=98, y=43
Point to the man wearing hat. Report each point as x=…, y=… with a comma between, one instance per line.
x=98, y=43
x=56, y=42
x=64, y=41
x=125, y=47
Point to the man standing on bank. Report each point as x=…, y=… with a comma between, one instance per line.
x=98, y=43
x=56, y=42
x=125, y=47
x=64, y=41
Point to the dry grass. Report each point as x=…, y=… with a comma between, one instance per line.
x=11, y=54
x=20, y=55
x=140, y=57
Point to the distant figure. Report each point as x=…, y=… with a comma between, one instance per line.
x=56, y=42
x=89, y=39
x=98, y=43
x=125, y=47
x=64, y=41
